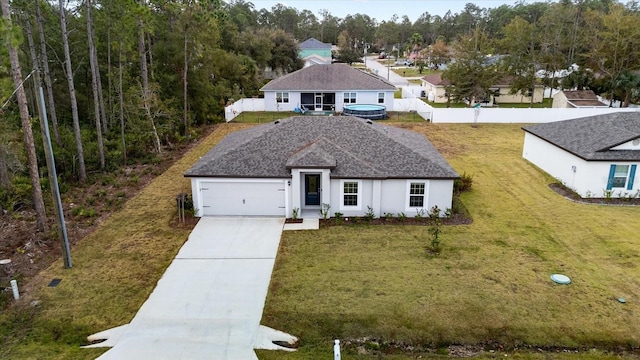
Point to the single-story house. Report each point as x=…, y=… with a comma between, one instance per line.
x=314, y=52
x=596, y=156
x=303, y=162
x=435, y=91
x=577, y=99
x=327, y=88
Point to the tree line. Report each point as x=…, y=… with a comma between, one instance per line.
x=124, y=79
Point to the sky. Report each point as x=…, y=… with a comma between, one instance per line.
x=382, y=9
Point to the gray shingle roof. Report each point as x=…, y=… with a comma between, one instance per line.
x=328, y=77
x=591, y=138
x=312, y=43
x=350, y=146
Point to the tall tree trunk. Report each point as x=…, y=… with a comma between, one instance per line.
x=36, y=190
x=94, y=84
x=43, y=126
x=121, y=101
x=47, y=75
x=109, y=72
x=145, y=83
x=5, y=183
x=185, y=87
x=82, y=172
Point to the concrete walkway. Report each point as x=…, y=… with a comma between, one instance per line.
x=209, y=302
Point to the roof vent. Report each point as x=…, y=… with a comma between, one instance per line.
x=277, y=122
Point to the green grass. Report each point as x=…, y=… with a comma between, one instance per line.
x=261, y=117
x=491, y=282
x=114, y=271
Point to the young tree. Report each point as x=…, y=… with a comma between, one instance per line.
x=29, y=144
x=471, y=76
x=82, y=172
x=614, y=40
x=95, y=75
x=521, y=46
x=47, y=75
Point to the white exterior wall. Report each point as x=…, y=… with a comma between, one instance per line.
x=587, y=178
x=270, y=103
x=392, y=196
x=362, y=97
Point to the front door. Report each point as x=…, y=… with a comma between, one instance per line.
x=312, y=189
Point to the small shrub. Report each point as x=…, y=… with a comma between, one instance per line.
x=419, y=214
x=448, y=213
x=370, y=214
x=388, y=215
x=434, y=212
x=325, y=210
x=608, y=194
x=82, y=212
x=402, y=216
x=338, y=217
x=100, y=193
x=294, y=213
x=463, y=184
x=107, y=180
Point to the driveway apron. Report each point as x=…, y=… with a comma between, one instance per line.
x=209, y=302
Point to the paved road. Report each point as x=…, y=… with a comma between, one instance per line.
x=385, y=72
x=209, y=302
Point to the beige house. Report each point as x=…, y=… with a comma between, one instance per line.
x=434, y=87
x=577, y=99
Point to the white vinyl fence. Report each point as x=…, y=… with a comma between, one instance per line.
x=412, y=103
x=506, y=116
x=238, y=107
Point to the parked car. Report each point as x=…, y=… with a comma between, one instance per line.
x=382, y=55
x=404, y=63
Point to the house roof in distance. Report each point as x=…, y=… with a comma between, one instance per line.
x=593, y=137
x=311, y=44
x=583, y=98
x=436, y=79
x=329, y=77
x=351, y=147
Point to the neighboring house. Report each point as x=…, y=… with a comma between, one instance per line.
x=314, y=52
x=596, y=156
x=327, y=88
x=577, y=99
x=304, y=162
x=434, y=86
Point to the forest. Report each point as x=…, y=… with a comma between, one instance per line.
x=122, y=81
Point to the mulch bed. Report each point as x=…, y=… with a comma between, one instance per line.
x=573, y=196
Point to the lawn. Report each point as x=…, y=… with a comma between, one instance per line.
x=489, y=286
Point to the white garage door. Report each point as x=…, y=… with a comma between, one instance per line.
x=243, y=198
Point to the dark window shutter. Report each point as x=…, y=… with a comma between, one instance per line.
x=612, y=172
x=632, y=175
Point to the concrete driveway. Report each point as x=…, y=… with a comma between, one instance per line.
x=209, y=302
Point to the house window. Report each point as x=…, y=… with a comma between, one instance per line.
x=349, y=98
x=416, y=194
x=282, y=97
x=621, y=176
x=351, y=192
x=380, y=98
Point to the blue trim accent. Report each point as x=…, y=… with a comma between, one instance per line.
x=632, y=175
x=612, y=172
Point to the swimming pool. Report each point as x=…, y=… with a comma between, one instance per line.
x=367, y=111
